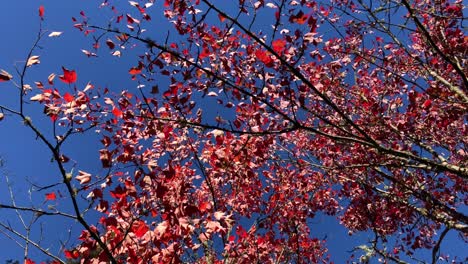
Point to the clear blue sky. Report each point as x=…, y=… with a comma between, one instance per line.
x=27, y=159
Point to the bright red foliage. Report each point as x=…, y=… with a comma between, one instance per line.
x=69, y=76
x=331, y=109
x=41, y=12
x=50, y=196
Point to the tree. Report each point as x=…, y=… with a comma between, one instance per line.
x=257, y=117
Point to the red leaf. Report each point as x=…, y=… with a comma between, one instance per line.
x=68, y=97
x=118, y=192
x=41, y=12
x=264, y=57
x=105, y=157
x=50, y=196
x=135, y=70
x=278, y=45
x=205, y=53
x=117, y=112
x=140, y=228
x=131, y=20
x=427, y=103
x=69, y=76
x=28, y=261
x=53, y=117
x=221, y=17
x=119, y=18
x=300, y=18
x=204, y=206
x=74, y=254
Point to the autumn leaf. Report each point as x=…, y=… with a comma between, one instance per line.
x=161, y=228
x=5, y=76
x=140, y=228
x=221, y=17
x=29, y=261
x=427, y=103
x=204, y=206
x=131, y=20
x=88, y=87
x=281, y=111
x=205, y=53
x=219, y=215
x=51, y=78
x=50, y=196
x=41, y=12
x=118, y=192
x=110, y=44
x=133, y=3
x=68, y=97
x=55, y=34
x=279, y=45
x=116, y=53
x=264, y=57
x=105, y=157
x=117, y=112
x=37, y=97
x=33, y=60
x=300, y=18
x=214, y=226
x=89, y=53
x=83, y=177
x=135, y=70
x=69, y=76
x=71, y=254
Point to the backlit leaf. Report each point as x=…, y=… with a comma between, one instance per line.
x=33, y=60
x=135, y=70
x=41, y=12
x=5, y=76
x=117, y=112
x=139, y=228
x=279, y=45
x=69, y=76
x=51, y=78
x=68, y=97
x=55, y=34
x=50, y=196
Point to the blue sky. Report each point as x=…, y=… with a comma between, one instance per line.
x=27, y=159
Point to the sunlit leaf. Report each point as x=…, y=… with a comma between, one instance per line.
x=41, y=12
x=69, y=76
x=5, y=76
x=50, y=196
x=68, y=97
x=32, y=61
x=55, y=34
